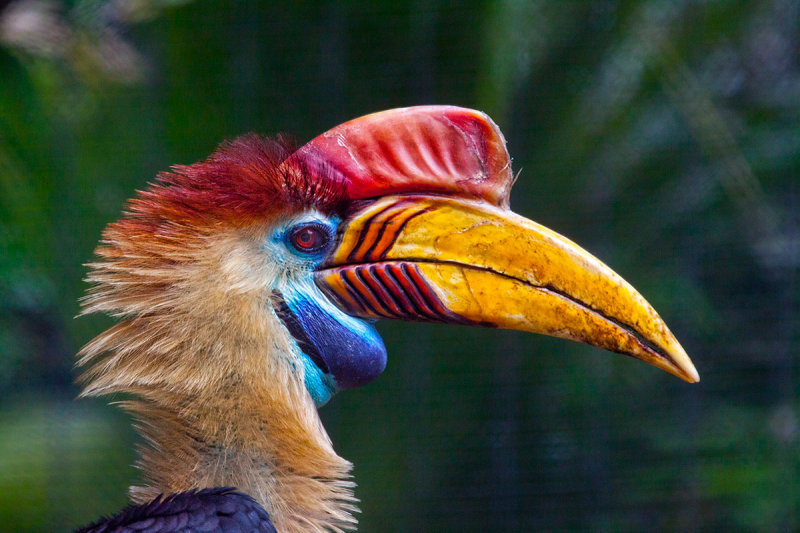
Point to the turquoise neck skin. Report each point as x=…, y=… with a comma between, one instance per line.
x=320, y=386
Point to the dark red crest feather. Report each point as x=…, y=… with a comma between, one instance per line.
x=241, y=182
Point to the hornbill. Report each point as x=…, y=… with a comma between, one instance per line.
x=246, y=286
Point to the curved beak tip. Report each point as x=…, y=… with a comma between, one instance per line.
x=684, y=368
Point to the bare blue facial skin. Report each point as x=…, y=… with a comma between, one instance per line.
x=338, y=351
x=340, y=347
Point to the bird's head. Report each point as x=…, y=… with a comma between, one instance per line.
x=255, y=275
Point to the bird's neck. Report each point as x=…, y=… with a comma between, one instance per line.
x=220, y=401
x=283, y=460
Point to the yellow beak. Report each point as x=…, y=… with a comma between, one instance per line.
x=434, y=258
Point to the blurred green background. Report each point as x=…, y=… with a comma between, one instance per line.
x=661, y=136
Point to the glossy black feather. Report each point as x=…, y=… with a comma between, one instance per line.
x=220, y=509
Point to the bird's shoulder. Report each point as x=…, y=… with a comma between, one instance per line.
x=221, y=509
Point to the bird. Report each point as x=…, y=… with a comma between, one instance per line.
x=246, y=287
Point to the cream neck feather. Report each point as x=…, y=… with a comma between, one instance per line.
x=217, y=391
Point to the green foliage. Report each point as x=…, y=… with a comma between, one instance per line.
x=661, y=136
x=57, y=460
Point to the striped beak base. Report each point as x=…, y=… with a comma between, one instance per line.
x=439, y=259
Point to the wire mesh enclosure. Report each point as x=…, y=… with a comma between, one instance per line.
x=661, y=136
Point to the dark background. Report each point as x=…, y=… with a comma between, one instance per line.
x=661, y=136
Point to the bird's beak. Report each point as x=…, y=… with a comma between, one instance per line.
x=435, y=258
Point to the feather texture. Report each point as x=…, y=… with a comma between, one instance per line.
x=240, y=183
x=205, y=363
x=220, y=509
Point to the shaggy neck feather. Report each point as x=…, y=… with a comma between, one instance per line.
x=218, y=394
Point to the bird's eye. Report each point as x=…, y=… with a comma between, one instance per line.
x=310, y=238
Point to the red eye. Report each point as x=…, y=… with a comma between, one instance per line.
x=310, y=238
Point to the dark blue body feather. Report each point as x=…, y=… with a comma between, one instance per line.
x=220, y=509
